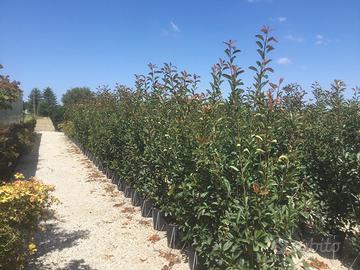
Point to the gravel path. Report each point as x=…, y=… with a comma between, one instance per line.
x=93, y=226
x=44, y=124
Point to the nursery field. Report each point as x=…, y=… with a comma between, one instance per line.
x=239, y=177
x=168, y=175
x=180, y=135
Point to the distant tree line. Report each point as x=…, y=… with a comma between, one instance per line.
x=44, y=102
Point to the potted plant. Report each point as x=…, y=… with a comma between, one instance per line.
x=173, y=235
x=136, y=199
x=114, y=178
x=128, y=192
x=108, y=173
x=121, y=185
x=195, y=261
x=146, y=208
x=159, y=222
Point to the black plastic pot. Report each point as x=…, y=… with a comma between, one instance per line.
x=195, y=261
x=337, y=243
x=136, y=199
x=100, y=166
x=108, y=173
x=121, y=185
x=173, y=237
x=159, y=222
x=146, y=208
x=128, y=192
x=114, y=178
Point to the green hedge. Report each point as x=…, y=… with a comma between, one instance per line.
x=14, y=141
x=57, y=116
x=237, y=174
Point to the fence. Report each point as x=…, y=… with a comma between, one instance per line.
x=13, y=115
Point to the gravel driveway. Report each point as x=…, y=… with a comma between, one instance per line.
x=93, y=226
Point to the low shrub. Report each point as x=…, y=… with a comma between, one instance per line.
x=14, y=141
x=23, y=203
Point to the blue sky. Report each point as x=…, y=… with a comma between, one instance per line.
x=65, y=43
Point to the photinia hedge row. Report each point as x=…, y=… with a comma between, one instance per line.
x=237, y=174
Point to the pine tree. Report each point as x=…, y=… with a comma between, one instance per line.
x=48, y=102
x=34, y=101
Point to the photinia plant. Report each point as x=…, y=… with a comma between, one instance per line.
x=240, y=174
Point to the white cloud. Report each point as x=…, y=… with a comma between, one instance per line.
x=174, y=27
x=283, y=61
x=321, y=40
x=294, y=38
x=280, y=19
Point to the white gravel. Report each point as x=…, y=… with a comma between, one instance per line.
x=94, y=226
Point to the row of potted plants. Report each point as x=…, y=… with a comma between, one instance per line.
x=225, y=170
x=236, y=174
x=148, y=210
